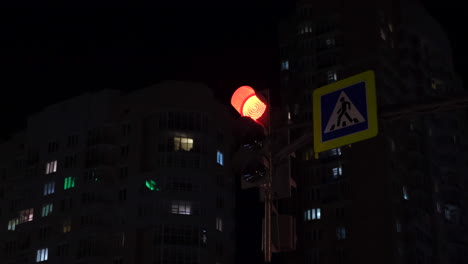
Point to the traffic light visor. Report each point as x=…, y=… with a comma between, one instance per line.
x=246, y=102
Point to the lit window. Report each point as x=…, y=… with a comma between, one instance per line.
x=341, y=233
x=12, y=224
x=312, y=214
x=285, y=65
x=405, y=193
x=382, y=34
x=336, y=152
x=436, y=83
x=26, y=215
x=309, y=154
x=452, y=213
x=390, y=27
x=332, y=76
x=42, y=255
x=183, y=143
x=151, y=184
x=49, y=188
x=392, y=145
x=47, y=209
x=204, y=237
x=398, y=226
x=51, y=167
x=219, y=224
x=181, y=207
x=68, y=183
x=122, y=240
x=66, y=227
x=337, y=171
x=219, y=158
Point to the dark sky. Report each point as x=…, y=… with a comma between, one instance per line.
x=48, y=55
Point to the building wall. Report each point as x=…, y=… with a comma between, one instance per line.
x=139, y=178
x=380, y=200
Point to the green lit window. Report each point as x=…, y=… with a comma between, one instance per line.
x=151, y=184
x=47, y=209
x=13, y=223
x=68, y=183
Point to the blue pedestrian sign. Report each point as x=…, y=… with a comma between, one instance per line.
x=345, y=112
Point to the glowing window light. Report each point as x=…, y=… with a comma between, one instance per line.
x=183, y=143
x=247, y=103
x=68, y=183
x=219, y=158
x=181, y=207
x=47, y=209
x=12, y=224
x=151, y=184
x=42, y=255
x=26, y=215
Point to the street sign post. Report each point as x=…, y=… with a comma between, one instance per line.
x=345, y=112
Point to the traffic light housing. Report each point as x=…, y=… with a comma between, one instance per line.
x=258, y=166
x=252, y=160
x=249, y=103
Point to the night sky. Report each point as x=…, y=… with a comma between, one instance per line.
x=51, y=54
x=48, y=55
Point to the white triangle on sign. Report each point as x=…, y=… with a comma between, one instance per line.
x=344, y=114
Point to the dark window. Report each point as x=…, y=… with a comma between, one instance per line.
x=123, y=195
x=219, y=249
x=44, y=232
x=123, y=172
x=219, y=202
x=220, y=180
x=53, y=146
x=72, y=140
x=70, y=161
x=62, y=250
x=125, y=130
x=124, y=151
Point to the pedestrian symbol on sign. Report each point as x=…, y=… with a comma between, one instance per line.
x=344, y=114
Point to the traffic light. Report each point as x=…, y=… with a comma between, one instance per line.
x=252, y=159
x=250, y=104
x=258, y=167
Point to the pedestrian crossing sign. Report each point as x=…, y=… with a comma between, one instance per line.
x=345, y=112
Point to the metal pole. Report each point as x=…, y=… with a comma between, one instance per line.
x=267, y=225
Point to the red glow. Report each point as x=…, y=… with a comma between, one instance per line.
x=240, y=96
x=247, y=103
x=253, y=108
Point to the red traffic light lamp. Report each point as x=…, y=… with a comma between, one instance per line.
x=248, y=103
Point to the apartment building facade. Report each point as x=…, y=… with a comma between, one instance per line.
x=112, y=177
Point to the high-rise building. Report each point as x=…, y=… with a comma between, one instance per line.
x=118, y=178
x=398, y=197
